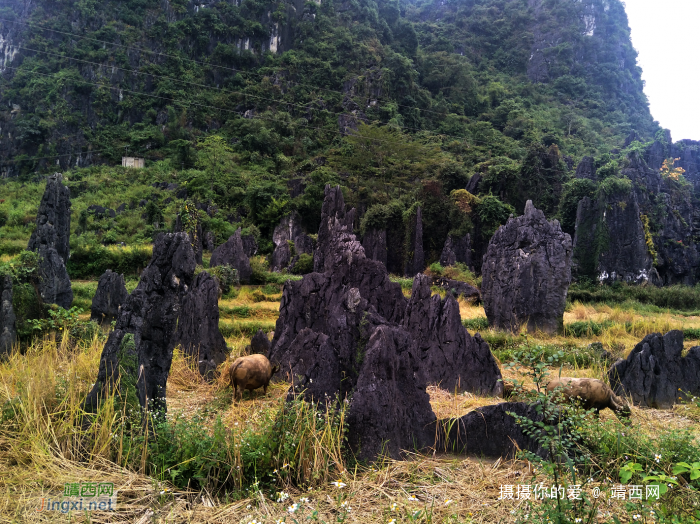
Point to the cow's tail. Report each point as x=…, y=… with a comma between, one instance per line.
x=232, y=376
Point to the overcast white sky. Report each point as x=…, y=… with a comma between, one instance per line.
x=666, y=35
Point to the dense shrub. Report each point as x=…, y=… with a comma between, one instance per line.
x=91, y=260
x=304, y=265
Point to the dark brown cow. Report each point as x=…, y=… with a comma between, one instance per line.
x=251, y=372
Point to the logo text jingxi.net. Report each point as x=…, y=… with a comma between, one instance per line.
x=82, y=496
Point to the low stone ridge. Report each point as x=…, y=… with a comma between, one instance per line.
x=333, y=208
x=290, y=241
x=53, y=219
x=250, y=246
x=346, y=333
x=455, y=250
x=8, y=331
x=233, y=254
x=655, y=374
x=139, y=350
x=260, y=343
x=415, y=260
x=490, y=431
x=526, y=274
x=374, y=244
x=110, y=295
x=197, y=331
x=450, y=356
x=457, y=288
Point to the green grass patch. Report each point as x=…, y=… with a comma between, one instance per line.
x=91, y=260
x=406, y=283
x=476, y=324
x=245, y=328
x=684, y=298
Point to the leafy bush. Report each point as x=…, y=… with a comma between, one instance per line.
x=462, y=273
x=615, y=186
x=304, y=264
x=65, y=322
x=435, y=270
x=260, y=274
x=270, y=289
x=91, y=260
x=226, y=275
x=493, y=213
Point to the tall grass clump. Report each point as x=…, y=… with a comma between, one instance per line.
x=297, y=442
x=44, y=427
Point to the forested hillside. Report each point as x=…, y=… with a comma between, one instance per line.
x=253, y=106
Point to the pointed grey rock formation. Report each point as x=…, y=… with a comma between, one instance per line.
x=232, y=253
x=526, y=274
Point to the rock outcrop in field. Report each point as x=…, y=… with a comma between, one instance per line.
x=138, y=353
x=490, y=431
x=526, y=274
x=374, y=244
x=290, y=242
x=260, y=344
x=110, y=295
x=655, y=374
x=639, y=227
x=8, y=331
x=333, y=207
x=197, y=331
x=450, y=356
x=415, y=258
x=457, y=249
x=53, y=219
x=346, y=332
x=232, y=253
x=51, y=240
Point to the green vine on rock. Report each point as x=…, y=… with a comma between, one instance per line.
x=648, y=238
x=189, y=216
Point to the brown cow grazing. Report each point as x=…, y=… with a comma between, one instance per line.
x=250, y=373
x=591, y=392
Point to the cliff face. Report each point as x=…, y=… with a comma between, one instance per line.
x=642, y=229
x=73, y=92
